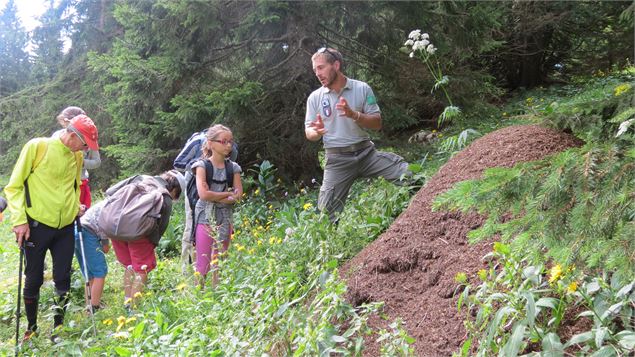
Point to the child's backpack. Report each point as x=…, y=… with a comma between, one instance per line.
x=192, y=192
x=133, y=211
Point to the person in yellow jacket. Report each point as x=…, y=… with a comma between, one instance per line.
x=43, y=195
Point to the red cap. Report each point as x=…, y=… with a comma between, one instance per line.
x=87, y=129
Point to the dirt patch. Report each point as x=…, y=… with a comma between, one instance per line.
x=411, y=267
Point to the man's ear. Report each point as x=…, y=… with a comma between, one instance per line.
x=337, y=65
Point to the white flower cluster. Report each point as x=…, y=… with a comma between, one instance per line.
x=420, y=42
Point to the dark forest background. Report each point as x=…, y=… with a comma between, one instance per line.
x=152, y=72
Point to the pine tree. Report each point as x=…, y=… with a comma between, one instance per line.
x=14, y=60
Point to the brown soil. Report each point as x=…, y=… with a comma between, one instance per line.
x=411, y=267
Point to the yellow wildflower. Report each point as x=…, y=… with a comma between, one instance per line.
x=120, y=322
x=259, y=241
x=279, y=240
x=240, y=247
x=197, y=274
x=272, y=240
x=138, y=294
x=504, y=114
x=621, y=89
x=131, y=319
x=214, y=262
x=307, y=206
x=181, y=286
x=107, y=322
x=555, y=273
x=257, y=192
x=482, y=274
x=251, y=251
x=572, y=287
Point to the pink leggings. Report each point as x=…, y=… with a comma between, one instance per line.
x=207, y=249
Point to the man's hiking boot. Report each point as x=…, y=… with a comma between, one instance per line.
x=28, y=334
x=55, y=338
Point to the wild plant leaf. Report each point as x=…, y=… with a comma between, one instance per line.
x=579, y=338
x=587, y=313
x=551, y=346
x=496, y=323
x=549, y=302
x=606, y=351
x=612, y=310
x=465, y=348
x=338, y=339
x=283, y=308
x=530, y=308
x=512, y=347
x=122, y=351
x=600, y=335
x=592, y=287
x=624, y=290
x=626, y=339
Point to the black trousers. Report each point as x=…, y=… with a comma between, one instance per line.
x=61, y=243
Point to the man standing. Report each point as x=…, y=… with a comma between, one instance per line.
x=338, y=113
x=43, y=194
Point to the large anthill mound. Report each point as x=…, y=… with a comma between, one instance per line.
x=411, y=267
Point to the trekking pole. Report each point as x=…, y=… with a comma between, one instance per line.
x=17, y=313
x=87, y=293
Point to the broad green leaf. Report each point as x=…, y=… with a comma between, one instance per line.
x=612, y=310
x=122, y=351
x=625, y=290
x=592, y=287
x=281, y=310
x=530, y=308
x=626, y=339
x=338, y=339
x=495, y=324
x=465, y=349
x=606, y=351
x=579, y=338
x=600, y=335
x=551, y=346
x=512, y=347
x=549, y=302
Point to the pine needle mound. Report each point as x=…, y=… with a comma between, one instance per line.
x=412, y=266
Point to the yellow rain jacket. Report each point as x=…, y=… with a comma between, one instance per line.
x=53, y=175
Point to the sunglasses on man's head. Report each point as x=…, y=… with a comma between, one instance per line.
x=326, y=50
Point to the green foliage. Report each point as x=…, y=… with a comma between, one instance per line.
x=14, y=62
x=519, y=307
x=577, y=205
x=279, y=294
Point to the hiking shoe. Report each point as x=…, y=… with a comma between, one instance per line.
x=28, y=334
x=55, y=338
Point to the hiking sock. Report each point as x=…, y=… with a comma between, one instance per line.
x=30, y=308
x=59, y=309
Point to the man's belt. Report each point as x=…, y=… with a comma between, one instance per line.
x=349, y=149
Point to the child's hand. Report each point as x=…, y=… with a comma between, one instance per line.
x=106, y=248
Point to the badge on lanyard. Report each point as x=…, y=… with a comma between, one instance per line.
x=326, y=107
